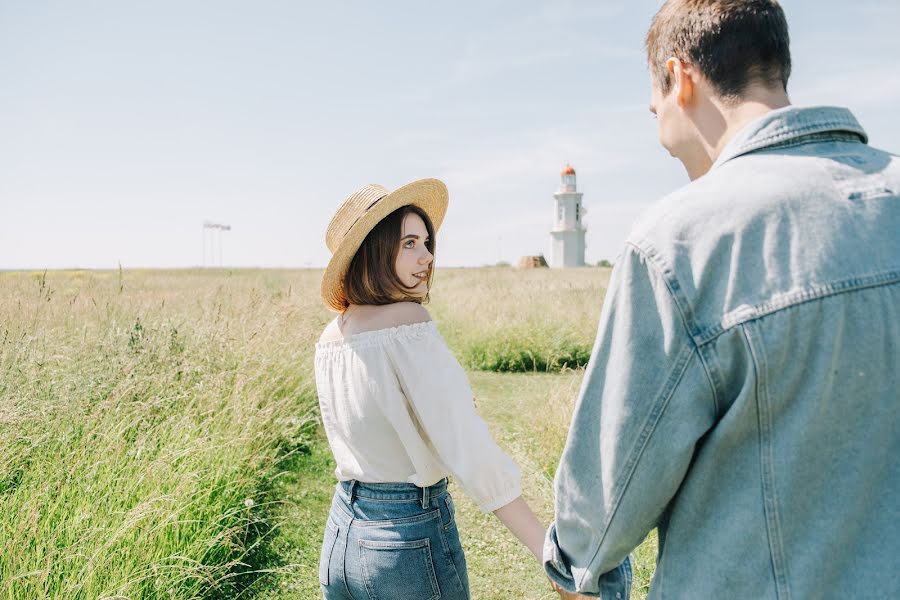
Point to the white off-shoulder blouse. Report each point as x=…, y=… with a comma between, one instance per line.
x=397, y=407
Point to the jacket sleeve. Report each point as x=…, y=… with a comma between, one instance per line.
x=644, y=403
x=440, y=402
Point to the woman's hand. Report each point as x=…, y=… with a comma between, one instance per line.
x=564, y=594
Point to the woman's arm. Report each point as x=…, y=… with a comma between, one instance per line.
x=520, y=520
x=440, y=403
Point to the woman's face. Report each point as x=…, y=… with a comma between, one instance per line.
x=414, y=260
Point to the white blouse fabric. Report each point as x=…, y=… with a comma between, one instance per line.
x=397, y=407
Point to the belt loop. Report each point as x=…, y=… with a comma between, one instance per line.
x=426, y=497
x=352, y=489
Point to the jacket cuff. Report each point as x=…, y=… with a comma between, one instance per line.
x=613, y=585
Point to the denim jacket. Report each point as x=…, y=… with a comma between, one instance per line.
x=743, y=394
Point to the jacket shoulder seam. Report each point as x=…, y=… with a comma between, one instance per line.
x=746, y=313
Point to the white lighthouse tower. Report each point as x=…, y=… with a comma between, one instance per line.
x=567, y=236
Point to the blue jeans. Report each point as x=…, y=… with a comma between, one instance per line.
x=390, y=541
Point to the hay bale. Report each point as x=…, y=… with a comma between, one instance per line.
x=532, y=262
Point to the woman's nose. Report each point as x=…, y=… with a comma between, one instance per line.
x=426, y=257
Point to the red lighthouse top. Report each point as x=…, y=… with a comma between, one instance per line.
x=568, y=170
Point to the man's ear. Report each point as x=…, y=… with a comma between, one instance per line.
x=682, y=82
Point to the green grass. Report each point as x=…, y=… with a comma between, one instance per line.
x=525, y=350
x=528, y=414
x=520, y=320
x=305, y=490
x=157, y=428
x=144, y=419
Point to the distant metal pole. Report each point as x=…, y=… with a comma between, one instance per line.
x=208, y=232
x=222, y=229
x=212, y=228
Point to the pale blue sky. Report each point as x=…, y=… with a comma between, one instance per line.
x=125, y=124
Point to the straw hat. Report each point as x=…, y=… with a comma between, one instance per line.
x=359, y=214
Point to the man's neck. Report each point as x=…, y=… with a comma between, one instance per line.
x=716, y=132
x=756, y=103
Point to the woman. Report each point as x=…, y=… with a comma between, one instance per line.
x=398, y=411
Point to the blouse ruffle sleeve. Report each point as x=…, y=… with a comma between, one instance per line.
x=440, y=402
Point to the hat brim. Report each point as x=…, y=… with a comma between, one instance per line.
x=428, y=194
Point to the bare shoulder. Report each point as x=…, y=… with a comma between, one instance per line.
x=373, y=318
x=403, y=313
x=331, y=332
x=361, y=319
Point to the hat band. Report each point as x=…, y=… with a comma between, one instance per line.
x=365, y=210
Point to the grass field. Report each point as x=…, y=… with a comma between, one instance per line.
x=516, y=407
x=159, y=438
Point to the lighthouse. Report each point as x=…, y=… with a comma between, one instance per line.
x=567, y=235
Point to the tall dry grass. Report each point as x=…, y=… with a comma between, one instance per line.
x=520, y=319
x=144, y=415
x=142, y=419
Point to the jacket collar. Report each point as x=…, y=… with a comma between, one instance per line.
x=790, y=124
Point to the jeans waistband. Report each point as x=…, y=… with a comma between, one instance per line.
x=391, y=491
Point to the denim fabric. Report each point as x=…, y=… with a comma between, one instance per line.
x=392, y=541
x=743, y=394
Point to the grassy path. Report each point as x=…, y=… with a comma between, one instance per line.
x=306, y=489
x=528, y=414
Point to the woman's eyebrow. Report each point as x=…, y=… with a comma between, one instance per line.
x=410, y=235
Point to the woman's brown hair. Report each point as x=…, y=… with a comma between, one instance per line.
x=372, y=277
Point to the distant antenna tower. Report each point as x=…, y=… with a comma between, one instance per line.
x=211, y=231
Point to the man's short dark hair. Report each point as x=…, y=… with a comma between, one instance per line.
x=733, y=43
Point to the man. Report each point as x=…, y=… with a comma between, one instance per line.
x=742, y=395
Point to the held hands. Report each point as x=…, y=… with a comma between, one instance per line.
x=564, y=594
x=520, y=520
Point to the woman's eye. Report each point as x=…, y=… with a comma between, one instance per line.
x=409, y=244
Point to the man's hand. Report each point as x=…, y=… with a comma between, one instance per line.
x=564, y=594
